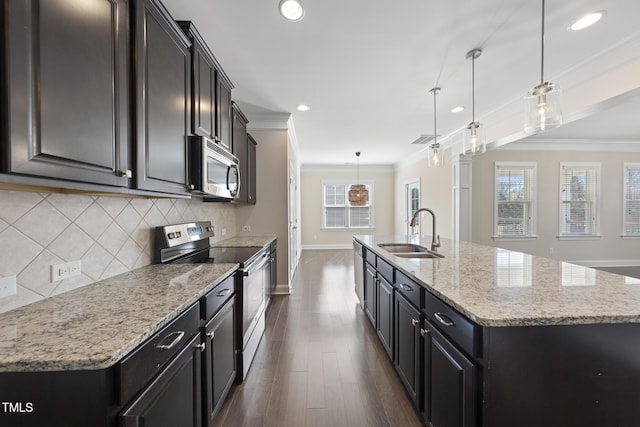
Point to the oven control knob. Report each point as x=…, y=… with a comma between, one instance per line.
x=171, y=236
x=178, y=234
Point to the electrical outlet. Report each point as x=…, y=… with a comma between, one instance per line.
x=246, y=228
x=65, y=270
x=7, y=286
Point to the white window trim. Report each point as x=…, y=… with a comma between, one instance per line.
x=624, y=234
x=532, y=226
x=348, y=182
x=596, y=232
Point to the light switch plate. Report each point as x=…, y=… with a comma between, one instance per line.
x=65, y=270
x=7, y=286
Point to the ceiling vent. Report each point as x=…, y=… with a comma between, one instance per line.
x=424, y=139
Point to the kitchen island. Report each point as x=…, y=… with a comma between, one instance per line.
x=509, y=339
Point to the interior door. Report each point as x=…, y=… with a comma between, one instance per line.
x=293, y=221
x=412, y=204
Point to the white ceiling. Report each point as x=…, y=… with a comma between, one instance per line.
x=365, y=67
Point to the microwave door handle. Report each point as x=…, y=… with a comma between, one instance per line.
x=233, y=169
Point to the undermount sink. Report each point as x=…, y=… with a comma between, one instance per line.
x=409, y=250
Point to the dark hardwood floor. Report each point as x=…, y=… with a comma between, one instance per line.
x=320, y=362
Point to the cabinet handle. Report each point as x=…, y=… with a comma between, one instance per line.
x=124, y=172
x=415, y=322
x=211, y=335
x=424, y=332
x=406, y=287
x=443, y=319
x=201, y=346
x=223, y=293
x=176, y=340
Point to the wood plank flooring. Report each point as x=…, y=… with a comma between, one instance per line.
x=320, y=362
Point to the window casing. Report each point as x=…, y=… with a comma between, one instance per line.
x=337, y=213
x=631, y=208
x=579, y=200
x=515, y=204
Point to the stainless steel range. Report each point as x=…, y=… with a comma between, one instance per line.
x=189, y=243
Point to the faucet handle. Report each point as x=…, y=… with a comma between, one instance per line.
x=436, y=242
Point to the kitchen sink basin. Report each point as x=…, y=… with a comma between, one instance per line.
x=409, y=250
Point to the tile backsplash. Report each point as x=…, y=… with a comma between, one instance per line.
x=110, y=235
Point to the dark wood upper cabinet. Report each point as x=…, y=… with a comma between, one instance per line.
x=251, y=170
x=162, y=99
x=240, y=141
x=65, y=90
x=223, y=110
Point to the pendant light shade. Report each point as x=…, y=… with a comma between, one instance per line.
x=543, y=103
x=358, y=193
x=435, y=152
x=473, y=141
x=292, y=10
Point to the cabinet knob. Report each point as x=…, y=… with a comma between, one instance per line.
x=211, y=335
x=125, y=172
x=415, y=322
x=424, y=332
x=201, y=346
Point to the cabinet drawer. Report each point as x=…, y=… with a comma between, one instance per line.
x=409, y=289
x=385, y=269
x=217, y=296
x=141, y=365
x=462, y=331
x=370, y=256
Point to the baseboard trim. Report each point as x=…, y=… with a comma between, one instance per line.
x=282, y=289
x=326, y=247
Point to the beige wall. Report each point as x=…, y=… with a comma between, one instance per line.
x=313, y=236
x=610, y=247
x=435, y=194
x=269, y=216
x=110, y=235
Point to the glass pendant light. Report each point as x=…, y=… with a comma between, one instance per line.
x=473, y=138
x=435, y=155
x=543, y=103
x=358, y=193
x=292, y=10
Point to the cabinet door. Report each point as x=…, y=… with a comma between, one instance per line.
x=220, y=359
x=370, y=291
x=449, y=383
x=204, y=92
x=163, y=99
x=240, y=142
x=251, y=171
x=407, y=340
x=385, y=315
x=174, y=397
x=67, y=90
x=223, y=111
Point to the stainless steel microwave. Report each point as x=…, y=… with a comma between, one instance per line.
x=213, y=171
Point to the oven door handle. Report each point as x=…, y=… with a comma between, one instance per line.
x=255, y=268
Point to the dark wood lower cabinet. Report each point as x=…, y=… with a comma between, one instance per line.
x=220, y=359
x=370, y=291
x=385, y=315
x=174, y=398
x=449, y=382
x=407, y=345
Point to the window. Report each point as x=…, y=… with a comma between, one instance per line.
x=579, y=192
x=631, y=209
x=514, y=209
x=338, y=213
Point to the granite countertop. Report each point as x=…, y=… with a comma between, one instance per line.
x=498, y=287
x=245, y=241
x=93, y=327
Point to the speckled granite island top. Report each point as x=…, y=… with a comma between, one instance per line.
x=245, y=241
x=498, y=287
x=95, y=326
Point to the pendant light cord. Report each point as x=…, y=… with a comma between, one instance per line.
x=542, y=48
x=435, y=130
x=473, y=89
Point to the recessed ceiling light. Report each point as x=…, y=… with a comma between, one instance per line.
x=587, y=20
x=293, y=10
x=303, y=107
x=457, y=109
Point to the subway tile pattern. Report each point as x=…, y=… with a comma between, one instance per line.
x=111, y=235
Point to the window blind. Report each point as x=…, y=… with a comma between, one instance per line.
x=514, y=199
x=579, y=199
x=631, y=207
x=338, y=212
